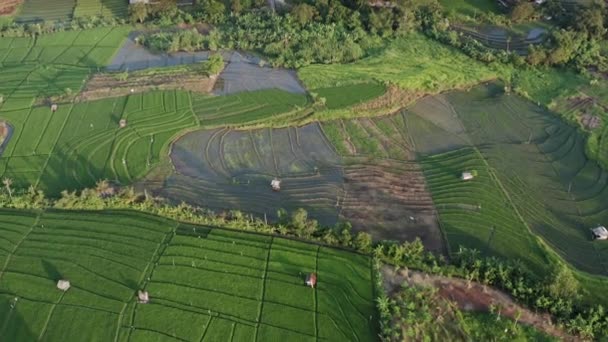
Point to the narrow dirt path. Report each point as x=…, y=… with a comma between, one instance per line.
x=473, y=297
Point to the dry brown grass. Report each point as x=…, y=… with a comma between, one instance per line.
x=109, y=85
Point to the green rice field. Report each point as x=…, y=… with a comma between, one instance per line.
x=52, y=64
x=246, y=107
x=534, y=180
x=349, y=95
x=43, y=10
x=82, y=143
x=103, y=8
x=205, y=284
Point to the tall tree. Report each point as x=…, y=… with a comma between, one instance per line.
x=7, y=184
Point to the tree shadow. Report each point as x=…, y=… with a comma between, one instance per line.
x=15, y=327
x=51, y=270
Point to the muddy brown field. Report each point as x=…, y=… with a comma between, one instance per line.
x=390, y=200
x=8, y=7
x=110, y=85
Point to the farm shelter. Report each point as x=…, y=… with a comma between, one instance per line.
x=600, y=233
x=467, y=176
x=63, y=285
x=275, y=184
x=311, y=280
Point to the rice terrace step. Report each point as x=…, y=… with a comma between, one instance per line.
x=340, y=171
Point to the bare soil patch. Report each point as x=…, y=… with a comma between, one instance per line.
x=473, y=297
x=8, y=7
x=390, y=200
x=591, y=122
x=109, y=85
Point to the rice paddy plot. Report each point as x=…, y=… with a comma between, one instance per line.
x=349, y=95
x=226, y=169
x=434, y=127
x=82, y=143
x=103, y=261
x=477, y=214
x=103, y=8
x=246, y=107
x=542, y=165
x=52, y=65
x=245, y=73
x=43, y=10
x=92, y=48
x=204, y=283
x=211, y=285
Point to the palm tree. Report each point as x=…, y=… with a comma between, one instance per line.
x=7, y=183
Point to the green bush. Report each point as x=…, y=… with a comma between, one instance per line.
x=213, y=66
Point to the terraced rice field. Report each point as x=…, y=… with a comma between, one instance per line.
x=51, y=64
x=501, y=39
x=246, y=107
x=541, y=162
x=533, y=179
x=103, y=8
x=227, y=169
x=349, y=95
x=242, y=72
x=43, y=10
x=375, y=190
x=478, y=214
x=205, y=284
x=384, y=188
x=83, y=143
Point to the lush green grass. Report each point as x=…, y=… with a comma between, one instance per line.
x=204, y=284
x=246, y=107
x=486, y=327
x=349, y=95
x=413, y=62
x=544, y=86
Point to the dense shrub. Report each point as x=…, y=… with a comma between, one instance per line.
x=13, y=29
